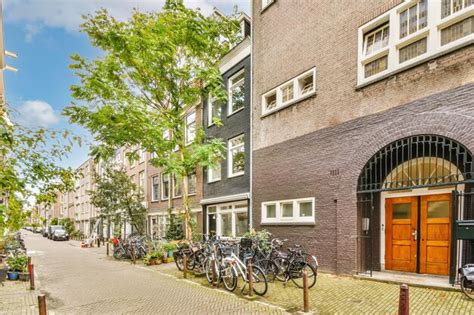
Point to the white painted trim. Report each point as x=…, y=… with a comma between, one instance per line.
x=230, y=158
x=237, y=54
x=433, y=33
x=295, y=218
x=230, y=112
x=394, y=194
x=228, y=198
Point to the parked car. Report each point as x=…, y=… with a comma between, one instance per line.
x=53, y=228
x=44, y=232
x=60, y=235
x=38, y=230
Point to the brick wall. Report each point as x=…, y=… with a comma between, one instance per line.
x=301, y=167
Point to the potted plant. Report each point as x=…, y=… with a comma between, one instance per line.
x=16, y=264
x=153, y=258
x=169, y=248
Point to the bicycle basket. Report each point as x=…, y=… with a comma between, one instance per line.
x=468, y=272
x=246, y=243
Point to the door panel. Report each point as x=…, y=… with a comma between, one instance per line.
x=400, y=244
x=435, y=234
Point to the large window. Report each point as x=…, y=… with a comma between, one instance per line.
x=190, y=127
x=236, y=92
x=376, y=39
x=214, y=110
x=229, y=220
x=214, y=174
x=192, y=184
x=155, y=188
x=288, y=211
x=165, y=186
x=158, y=225
x=457, y=31
x=289, y=92
x=449, y=7
x=177, y=186
x=413, y=19
x=236, y=156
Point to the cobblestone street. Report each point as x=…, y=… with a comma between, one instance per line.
x=84, y=281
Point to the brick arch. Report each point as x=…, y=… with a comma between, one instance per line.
x=451, y=125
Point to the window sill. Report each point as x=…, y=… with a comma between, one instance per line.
x=236, y=175
x=267, y=6
x=294, y=102
x=374, y=56
x=410, y=39
x=214, y=181
x=166, y=199
x=289, y=223
x=235, y=112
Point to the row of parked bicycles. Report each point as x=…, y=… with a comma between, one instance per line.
x=132, y=247
x=227, y=261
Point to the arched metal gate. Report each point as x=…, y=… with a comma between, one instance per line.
x=414, y=162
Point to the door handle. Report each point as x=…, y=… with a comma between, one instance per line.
x=415, y=235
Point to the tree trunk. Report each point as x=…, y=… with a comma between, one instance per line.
x=187, y=210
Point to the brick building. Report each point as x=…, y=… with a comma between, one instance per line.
x=362, y=123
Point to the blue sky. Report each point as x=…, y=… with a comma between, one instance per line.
x=44, y=34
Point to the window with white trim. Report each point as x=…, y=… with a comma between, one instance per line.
x=289, y=211
x=228, y=220
x=236, y=156
x=214, y=111
x=190, y=127
x=266, y=3
x=141, y=180
x=192, y=184
x=413, y=18
x=376, y=39
x=236, y=92
x=214, y=173
x=142, y=155
x=289, y=92
x=165, y=186
x=177, y=186
x=158, y=225
x=155, y=188
x=449, y=7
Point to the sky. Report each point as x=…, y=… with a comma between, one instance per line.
x=44, y=34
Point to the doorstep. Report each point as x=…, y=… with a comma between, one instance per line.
x=413, y=279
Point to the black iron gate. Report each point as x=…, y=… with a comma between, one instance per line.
x=462, y=232
x=365, y=209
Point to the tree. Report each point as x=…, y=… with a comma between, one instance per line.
x=155, y=68
x=118, y=198
x=29, y=167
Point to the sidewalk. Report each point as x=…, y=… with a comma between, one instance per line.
x=17, y=298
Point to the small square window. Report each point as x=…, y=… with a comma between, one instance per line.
x=306, y=208
x=306, y=84
x=270, y=101
x=271, y=211
x=287, y=93
x=287, y=210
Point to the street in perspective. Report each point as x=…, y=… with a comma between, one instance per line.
x=236, y=157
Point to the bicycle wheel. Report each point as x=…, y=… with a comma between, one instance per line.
x=178, y=259
x=208, y=267
x=269, y=267
x=282, y=265
x=296, y=270
x=467, y=288
x=119, y=252
x=228, y=276
x=190, y=261
x=259, y=280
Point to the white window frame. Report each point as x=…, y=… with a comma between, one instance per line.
x=296, y=218
x=142, y=155
x=211, y=171
x=175, y=181
x=230, y=86
x=298, y=94
x=230, y=157
x=190, y=134
x=163, y=177
x=211, y=101
x=152, y=188
x=233, y=210
x=195, y=184
x=266, y=3
x=432, y=32
x=141, y=180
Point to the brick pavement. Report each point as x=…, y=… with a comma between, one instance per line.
x=17, y=298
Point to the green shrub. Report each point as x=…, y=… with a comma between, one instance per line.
x=17, y=263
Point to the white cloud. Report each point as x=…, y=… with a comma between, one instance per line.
x=67, y=14
x=36, y=113
x=31, y=30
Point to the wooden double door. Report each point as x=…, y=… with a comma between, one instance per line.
x=418, y=234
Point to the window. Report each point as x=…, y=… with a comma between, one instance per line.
x=190, y=128
x=214, y=174
x=289, y=92
x=177, y=186
x=288, y=211
x=214, y=111
x=155, y=188
x=141, y=155
x=165, y=186
x=376, y=66
x=413, y=19
x=192, y=184
x=413, y=50
x=449, y=7
x=141, y=180
x=457, y=31
x=230, y=220
x=158, y=226
x=236, y=156
x=266, y=3
x=376, y=39
x=236, y=92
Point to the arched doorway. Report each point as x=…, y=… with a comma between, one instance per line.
x=405, y=206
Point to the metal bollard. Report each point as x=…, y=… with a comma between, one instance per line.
x=107, y=248
x=250, y=276
x=29, y=260
x=185, y=266
x=134, y=258
x=42, y=304
x=403, y=304
x=305, y=292
x=31, y=270
x=214, y=276
x=98, y=242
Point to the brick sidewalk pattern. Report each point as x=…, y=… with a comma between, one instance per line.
x=17, y=298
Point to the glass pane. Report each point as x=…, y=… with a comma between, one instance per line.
x=211, y=209
x=403, y=24
x=413, y=18
x=438, y=209
x=271, y=211
x=369, y=44
x=287, y=210
x=241, y=222
x=238, y=97
x=226, y=224
x=402, y=211
x=212, y=224
x=306, y=209
x=238, y=160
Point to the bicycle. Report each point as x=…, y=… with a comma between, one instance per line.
x=467, y=280
x=292, y=266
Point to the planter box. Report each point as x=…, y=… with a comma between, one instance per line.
x=24, y=276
